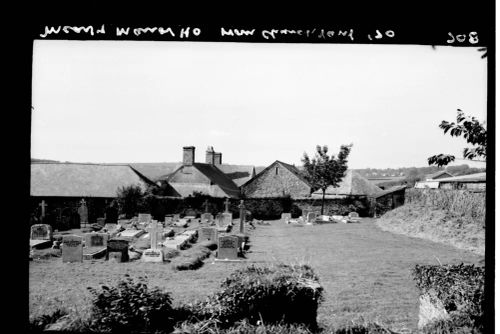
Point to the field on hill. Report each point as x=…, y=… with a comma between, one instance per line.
x=366, y=272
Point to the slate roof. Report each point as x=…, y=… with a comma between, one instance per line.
x=390, y=190
x=153, y=170
x=82, y=180
x=239, y=174
x=353, y=184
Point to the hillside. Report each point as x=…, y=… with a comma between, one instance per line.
x=437, y=225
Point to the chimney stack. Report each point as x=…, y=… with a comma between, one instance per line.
x=188, y=155
x=217, y=158
x=210, y=155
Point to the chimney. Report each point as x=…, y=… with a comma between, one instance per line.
x=217, y=158
x=188, y=155
x=210, y=155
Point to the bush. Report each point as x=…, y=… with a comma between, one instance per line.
x=459, y=287
x=282, y=293
x=131, y=307
x=40, y=323
x=192, y=258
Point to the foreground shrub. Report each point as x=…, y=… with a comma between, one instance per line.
x=282, y=293
x=459, y=287
x=40, y=323
x=131, y=307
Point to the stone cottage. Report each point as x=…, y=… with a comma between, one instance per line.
x=277, y=180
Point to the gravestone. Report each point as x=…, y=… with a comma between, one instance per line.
x=40, y=235
x=286, y=216
x=95, y=245
x=83, y=212
x=169, y=219
x=208, y=233
x=111, y=227
x=153, y=254
x=176, y=217
x=72, y=248
x=118, y=250
x=311, y=216
x=207, y=218
x=101, y=221
x=305, y=212
x=242, y=216
x=228, y=248
x=144, y=218
x=227, y=218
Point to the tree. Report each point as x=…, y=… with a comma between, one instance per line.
x=474, y=133
x=130, y=199
x=323, y=171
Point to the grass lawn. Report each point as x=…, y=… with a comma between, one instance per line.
x=366, y=272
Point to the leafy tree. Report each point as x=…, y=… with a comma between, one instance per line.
x=323, y=171
x=474, y=133
x=130, y=199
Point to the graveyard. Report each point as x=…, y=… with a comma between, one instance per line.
x=365, y=272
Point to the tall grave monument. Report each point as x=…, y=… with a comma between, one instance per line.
x=83, y=212
x=207, y=217
x=153, y=254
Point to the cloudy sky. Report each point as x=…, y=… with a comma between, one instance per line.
x=141, y=101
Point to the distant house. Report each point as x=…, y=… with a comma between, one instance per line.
x=277, y=180
x=63, y=186
x=475, y=182
x=391, y=198
x=438, y=175
x=205, y=178
x=353, y=184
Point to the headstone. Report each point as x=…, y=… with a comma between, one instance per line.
x=228, y=247
x=96, y=240
x=43, y=205
x=353, y=215
x=144, y=218
x=169, y=219
x=226, y=204
x=95, y=245
x=208, y=233
x=155, y=231
x=83, y=212
x=207, y=218
x=152, y=255
x=118, y=250
x=41, y=232
x=111, y=227
x=286, y=216
x=101, y=221
x=176, y=217
x=72, y=248
x=227, y=218
x=190, y=213
x=242, y=216
x=311, y=216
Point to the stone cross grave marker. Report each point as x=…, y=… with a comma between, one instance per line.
x=311, y=217
x=208, y=233
x=206, y=217
x=72, y=248
x=43, y=205
x=228, y=248
x=144, y=218
x=153, y=254
x=226, y=203
x=118, y=250
x=242, y=216
x=83, y=212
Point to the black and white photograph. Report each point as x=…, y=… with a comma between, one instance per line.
x=221, y=186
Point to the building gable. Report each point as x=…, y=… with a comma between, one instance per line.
x=277, y=180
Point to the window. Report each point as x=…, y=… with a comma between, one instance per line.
x=277, y=168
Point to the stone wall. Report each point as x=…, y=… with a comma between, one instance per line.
x=278, y=183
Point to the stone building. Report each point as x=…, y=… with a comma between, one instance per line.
x=277, y=180
x=62, y=192
x=204, y=178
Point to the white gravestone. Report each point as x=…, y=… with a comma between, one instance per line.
x=153, y=254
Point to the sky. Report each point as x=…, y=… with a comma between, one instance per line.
x=142, y=101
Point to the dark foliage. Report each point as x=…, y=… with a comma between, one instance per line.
x=131, y=307
x=459, y=287
x=39, y=324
